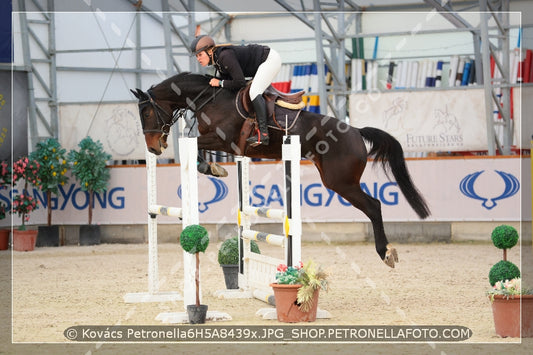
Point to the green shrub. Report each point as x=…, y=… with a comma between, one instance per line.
x=194, y=239
x=503, y=270
x=228, y=254
x=504, y=237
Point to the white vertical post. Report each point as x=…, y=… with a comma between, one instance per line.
x=291, y=155
x=188, y=153
x=153, y=294
x=243, y=178
x=151, y=182
x=189, y=203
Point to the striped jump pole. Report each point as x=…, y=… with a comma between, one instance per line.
x=257, y=271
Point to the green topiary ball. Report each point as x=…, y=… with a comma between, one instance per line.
x=503, y=270
x=228, y=254
x=504, y=237
x=194, y=239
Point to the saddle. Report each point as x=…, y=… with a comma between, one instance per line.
x=273, y=96
x=283, y=109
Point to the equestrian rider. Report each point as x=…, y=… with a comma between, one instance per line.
x=235, y=63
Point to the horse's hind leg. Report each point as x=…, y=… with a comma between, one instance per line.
x=372, y=208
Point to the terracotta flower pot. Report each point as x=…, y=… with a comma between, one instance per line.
x=24, y=240
x=287, y=307
x=4, y=239
x=506, y=314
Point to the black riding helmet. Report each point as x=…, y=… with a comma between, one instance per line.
x=201, y=43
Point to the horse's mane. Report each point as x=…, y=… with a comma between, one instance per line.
x=190, y=77
x=182, y=80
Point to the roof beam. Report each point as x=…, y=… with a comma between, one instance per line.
x=446, y=11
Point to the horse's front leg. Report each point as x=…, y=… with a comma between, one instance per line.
x=207, y=142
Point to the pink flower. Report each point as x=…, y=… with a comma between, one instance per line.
x=282, y=268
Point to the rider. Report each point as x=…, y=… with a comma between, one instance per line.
x=235, y=63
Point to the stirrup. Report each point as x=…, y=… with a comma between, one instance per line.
x=260, y=138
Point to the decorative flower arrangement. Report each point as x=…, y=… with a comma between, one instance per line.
x=28, y=170
x=309, y=275
x=23, y=203
x=5, y=174
x=53, y=166
x=509, y=288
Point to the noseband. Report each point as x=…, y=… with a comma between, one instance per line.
x=164, y=126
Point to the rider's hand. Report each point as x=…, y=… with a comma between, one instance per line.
x=214, y=82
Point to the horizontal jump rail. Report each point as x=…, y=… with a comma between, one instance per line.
x=165, y=211
x=273, y=213
x=273, y=239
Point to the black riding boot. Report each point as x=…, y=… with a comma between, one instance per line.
x=261, y=117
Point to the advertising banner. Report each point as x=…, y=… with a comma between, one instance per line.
x=455, y=190
x=425, y=121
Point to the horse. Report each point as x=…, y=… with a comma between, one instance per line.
x=336, y=149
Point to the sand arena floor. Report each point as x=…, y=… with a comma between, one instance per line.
x=433, y=284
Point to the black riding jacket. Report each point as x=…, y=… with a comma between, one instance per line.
x=235, y=63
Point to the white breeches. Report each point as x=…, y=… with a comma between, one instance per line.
x=266, y=73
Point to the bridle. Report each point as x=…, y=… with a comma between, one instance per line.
x=164, y=125
x=173, y=117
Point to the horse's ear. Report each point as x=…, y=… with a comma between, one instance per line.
x=135, y=93
x=141, y=95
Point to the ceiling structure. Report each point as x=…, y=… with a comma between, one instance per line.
x=329, y=20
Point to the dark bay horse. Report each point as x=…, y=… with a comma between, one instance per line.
x=336, y=148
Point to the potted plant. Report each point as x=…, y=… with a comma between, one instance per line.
x=507, y=292
x=228, y=258
x=296, y=291
x=53, y=166
x=194, y=239
x=5, y=181
x=23, y=203
x=88, y=166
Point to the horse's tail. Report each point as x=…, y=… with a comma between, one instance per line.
x=387, y=150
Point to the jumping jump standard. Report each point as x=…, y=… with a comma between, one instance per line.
x=188, y=152
x=257, y=271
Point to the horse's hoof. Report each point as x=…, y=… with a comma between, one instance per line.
x=391, y=256
x=217, y=170
x=203, y=168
